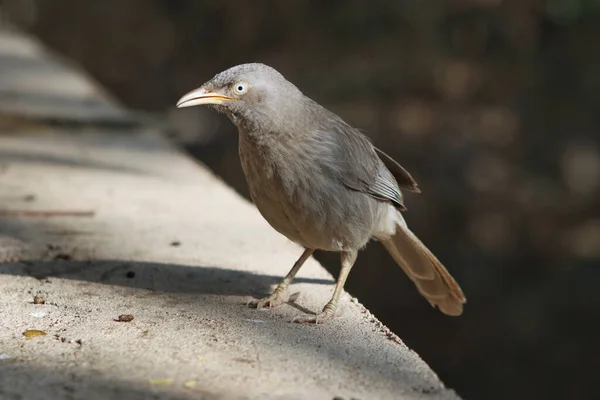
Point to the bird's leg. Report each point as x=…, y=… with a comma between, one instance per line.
x=277, y=297
x=330, y=310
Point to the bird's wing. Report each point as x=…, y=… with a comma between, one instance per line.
x=403, y=178
x=359, y=167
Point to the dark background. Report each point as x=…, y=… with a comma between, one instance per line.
x=492, y=105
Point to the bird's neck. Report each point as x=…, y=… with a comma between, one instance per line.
x=270, y=131
x=263, y=137
x=281, y=119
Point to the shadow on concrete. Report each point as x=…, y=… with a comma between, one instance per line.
x=166, y=278
x=31, y=156
x=52, y=384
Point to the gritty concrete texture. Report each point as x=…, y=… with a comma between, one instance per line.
x=100, y=223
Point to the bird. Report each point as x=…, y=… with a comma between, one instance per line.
x=321, y=183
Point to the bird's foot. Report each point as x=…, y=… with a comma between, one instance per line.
x=275, y=299
x=330, y=311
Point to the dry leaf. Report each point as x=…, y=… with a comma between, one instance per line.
x=190, y=384
x=31, y=333
x=159, y=382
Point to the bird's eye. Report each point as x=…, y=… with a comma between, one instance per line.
x=240, y=88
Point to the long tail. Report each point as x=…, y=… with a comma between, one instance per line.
x=433, y=281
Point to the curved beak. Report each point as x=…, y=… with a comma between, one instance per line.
x=201, y=96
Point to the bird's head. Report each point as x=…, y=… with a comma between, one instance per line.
x=254, y=96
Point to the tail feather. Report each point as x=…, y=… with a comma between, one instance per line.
x=433, y=281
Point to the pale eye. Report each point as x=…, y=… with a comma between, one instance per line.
x=240, y=88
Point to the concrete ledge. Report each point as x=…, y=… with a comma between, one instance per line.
x=37, y=84
x=102, y=223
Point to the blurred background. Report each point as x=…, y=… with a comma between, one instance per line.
x=492, y=105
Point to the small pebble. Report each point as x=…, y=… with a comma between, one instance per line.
x=39, y=300
x=38, y=314
x=124, y=318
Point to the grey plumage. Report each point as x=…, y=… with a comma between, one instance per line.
x=320, y=182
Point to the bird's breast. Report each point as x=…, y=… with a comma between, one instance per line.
x=301, y=200
x=264, y=185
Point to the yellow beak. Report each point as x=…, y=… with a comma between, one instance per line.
x=200, y=96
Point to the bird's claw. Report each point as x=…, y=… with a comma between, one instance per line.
x=324, y=316
x=274, y=300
